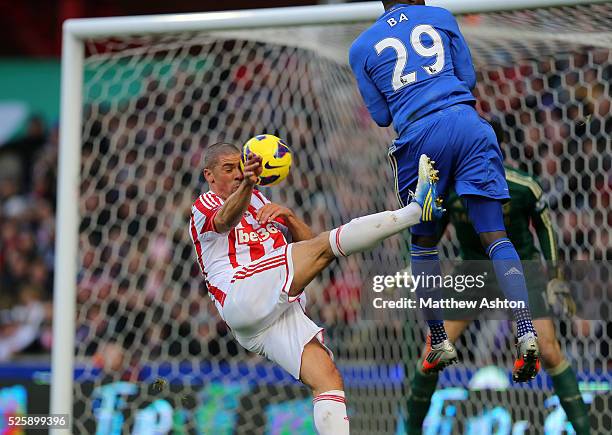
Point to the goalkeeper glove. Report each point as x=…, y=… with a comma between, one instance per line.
x=559, y=296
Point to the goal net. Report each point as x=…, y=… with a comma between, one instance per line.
x=151, y=351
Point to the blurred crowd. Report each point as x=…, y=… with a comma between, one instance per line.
x=557, y=118
x=140, y=294
x=28, y=173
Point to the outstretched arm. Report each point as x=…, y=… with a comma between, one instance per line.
x=237, y=203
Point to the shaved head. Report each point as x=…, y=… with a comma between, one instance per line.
x=222, y=169
x=215, y=151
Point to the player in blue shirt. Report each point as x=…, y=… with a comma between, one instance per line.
x=414, y=69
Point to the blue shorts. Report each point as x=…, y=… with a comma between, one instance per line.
x=465, y=151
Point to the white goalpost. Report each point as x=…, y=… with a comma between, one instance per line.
x=131, y=84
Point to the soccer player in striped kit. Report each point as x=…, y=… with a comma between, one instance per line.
x=256, y=277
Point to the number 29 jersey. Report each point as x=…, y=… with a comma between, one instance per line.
x=411, y=62
x=220, y=254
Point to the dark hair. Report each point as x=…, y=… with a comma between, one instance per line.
x=389, y=3
x=216, y=150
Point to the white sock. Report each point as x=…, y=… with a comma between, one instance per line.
x=330, y=413
x=365, y=232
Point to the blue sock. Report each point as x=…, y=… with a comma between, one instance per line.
x=426, y=261
x=511, y=279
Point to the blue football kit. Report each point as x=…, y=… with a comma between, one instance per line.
x=414, y=69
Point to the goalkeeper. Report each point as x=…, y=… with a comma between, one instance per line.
x=526, y=206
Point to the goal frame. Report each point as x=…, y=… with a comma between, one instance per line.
x=75, y=32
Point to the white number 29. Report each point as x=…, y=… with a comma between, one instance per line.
x=436, y=49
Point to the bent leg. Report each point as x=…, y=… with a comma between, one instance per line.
x=550, y=349
x=424, y=385
x=319, y=372
x=487, y=218
x=563, y=376
x=365, y=232
x=310, y=257
x=425, y=261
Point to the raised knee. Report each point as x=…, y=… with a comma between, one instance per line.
x=329, y=379
x=324, y=251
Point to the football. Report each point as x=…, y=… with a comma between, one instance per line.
x=275, y=155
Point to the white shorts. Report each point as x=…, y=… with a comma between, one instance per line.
x=263, y=317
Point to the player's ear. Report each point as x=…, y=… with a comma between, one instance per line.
x=208, y=175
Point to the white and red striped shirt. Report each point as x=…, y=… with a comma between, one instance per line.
x=220, y=254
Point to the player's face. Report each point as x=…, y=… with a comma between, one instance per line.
x=226, y=176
